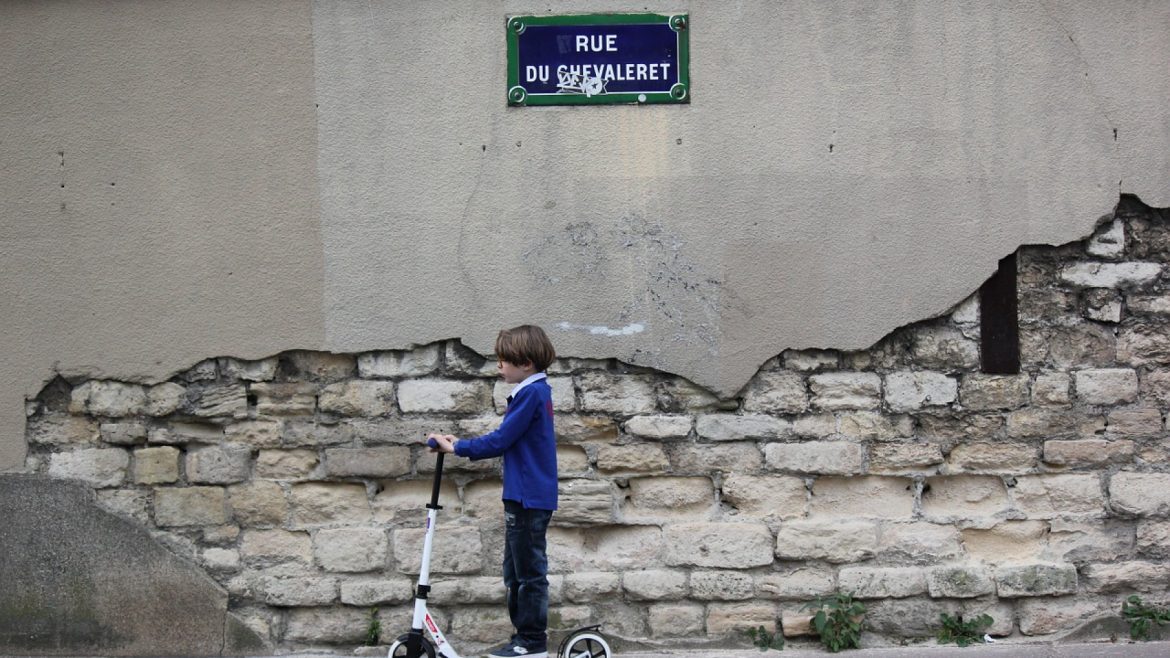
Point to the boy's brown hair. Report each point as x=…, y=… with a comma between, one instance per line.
x=525, y=344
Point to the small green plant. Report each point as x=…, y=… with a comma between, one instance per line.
x=373, y=629
x=963, y=633
x=838, y=621
x=1141, y=617
x=765, y=640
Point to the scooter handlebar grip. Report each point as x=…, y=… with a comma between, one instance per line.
x=431, y=443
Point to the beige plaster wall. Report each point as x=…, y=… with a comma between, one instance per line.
x=244, y=178
x=158, y=201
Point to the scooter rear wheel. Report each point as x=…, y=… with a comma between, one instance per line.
x=399, y=648
x=586, y=644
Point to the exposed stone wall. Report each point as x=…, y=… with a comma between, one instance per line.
x=901, y=473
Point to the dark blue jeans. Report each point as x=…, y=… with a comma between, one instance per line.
x=526, y=573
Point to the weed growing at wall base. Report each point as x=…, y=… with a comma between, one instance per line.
x=962, y=633
x=838, y=621
x=1142, y=616
x=765, y=640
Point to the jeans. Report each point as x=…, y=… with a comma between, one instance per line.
x=526, y=573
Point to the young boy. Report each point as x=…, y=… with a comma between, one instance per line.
x=525, y=439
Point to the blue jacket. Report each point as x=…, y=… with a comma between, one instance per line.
x=526, y=440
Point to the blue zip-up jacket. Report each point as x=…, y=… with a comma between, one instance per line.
x=526, y=440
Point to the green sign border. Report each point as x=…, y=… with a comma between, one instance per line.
x=679, y=93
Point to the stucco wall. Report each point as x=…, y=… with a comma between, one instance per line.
x=241, y=179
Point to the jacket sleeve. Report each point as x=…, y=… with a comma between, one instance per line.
x=519, y=416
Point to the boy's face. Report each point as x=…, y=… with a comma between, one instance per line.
x=514, y=374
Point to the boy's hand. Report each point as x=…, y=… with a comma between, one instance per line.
x=444, y=443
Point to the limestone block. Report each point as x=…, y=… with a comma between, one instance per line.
x=735, y=427
x=721, y=585
x=258, y=503
x=1140, y=494
x=1102, y=305
x=816, y=426
x=221, y=559
x=1153, y=539
x=736, y=618
x=442, y=395
x=481, y=499
x=919, y=543
x=64, y=430
x=1105, y=386
x=219, y=464
x=259, y=433
x=278, y=544
x=387, y=461
x=817, y=457
x=1048, y=496
x=218, y=401
x=320, y=504
x=944, y=347
x=910, y=391
x=306, y=433
x=285, y=464
x=1152, y=304
x=831, y=541
x=1134, y=422
x=108, y=398
x=742, y=457
x=319, y=366
x=1040, y=422
x=164, y=399
x=358, y=398
x=184, y=433
x=460, y=551
x=473, y=589
x=658, y=498
x=463, y=360
x=833, y=391
x=262, y=370
x=1090, y=540
x=420, y=361
x=776, y=393
x=612, y=548
x=800, y=584
x=623, y=395
x=404, y=499
x=671, y=620
x=1043, y=616
x=99, y=467
x=305, y=591
x=875, y=426
x=888, y=458
x=572, y=460
x=963, y=497
x=1110, y=275
x=594, y=586
x=796, y=623
x=285, y=399
x=1008, y=542
x=862, y=497
x=881, y=583
x=959, y=582
x=776, y=496
x=655, y=585
x=351, y=550
x=1035, y=580
x=131, y=503
x=376, y=592
x=1088, y=452
x=581, y=429
x=123, y=433
x=156, y=465
x=584, y=502
x=722, y=545
x=480, y=624
x=810, y=360
x=203, y=371
x=1108, y=241
x=634, y=458
x=960, y=427
x=659, y=427
x=678, y=395
x=1144, y=344
x=189, y=506
x=1051, y=388
x=1127, y=577
x=992, y=458
x=1061, y=347
x=985, y=392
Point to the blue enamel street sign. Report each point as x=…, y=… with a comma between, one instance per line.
x=598, y=59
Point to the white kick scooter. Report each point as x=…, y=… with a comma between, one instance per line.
x=584, y=642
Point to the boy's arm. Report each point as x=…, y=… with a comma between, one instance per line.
x=518, y=418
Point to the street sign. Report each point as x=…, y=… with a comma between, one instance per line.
x=591, y=59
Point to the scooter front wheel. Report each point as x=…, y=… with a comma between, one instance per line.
x=400, y=650
x=586, y=644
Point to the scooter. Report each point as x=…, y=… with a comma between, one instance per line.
x=586, y=642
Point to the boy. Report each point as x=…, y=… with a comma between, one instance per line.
x=525, y=439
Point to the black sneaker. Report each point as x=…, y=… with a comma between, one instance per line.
x=516, y=650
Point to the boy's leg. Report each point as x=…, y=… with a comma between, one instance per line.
x=527, y=544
